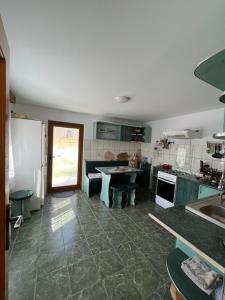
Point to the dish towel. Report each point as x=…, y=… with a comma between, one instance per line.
x=201, y=274
x=217, y=294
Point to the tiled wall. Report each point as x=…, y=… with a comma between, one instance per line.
x=194, y=153
x=95, y=149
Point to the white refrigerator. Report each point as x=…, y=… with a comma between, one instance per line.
x=28, y=145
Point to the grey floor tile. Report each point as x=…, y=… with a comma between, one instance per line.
x=147, y=281
x=55, y=285
x=159, y=294
x=72, y=233
x=108, y=262
x=87, y=218
x=132, y=231
x=120, y=287
x=27, y=233
x=21, y=285
x=51, y=241
x=76, y=248
x=77, y=251
x=48, y=262
x=98, y=242
x=128, y=251
x=117, y=236
x=109, y=224
x=158, y=260
x=93, y=292
x=91, y=229
x=83, y=275
x=25, y=248
x=23, y=263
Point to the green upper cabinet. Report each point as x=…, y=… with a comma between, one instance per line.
x=147, y=134
x=205, y=191
x=107, y=131
x=212, y=70
x=117, y=132
x=126, y=133
x=187, y=190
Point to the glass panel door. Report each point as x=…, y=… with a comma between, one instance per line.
x=65, y=151
x=65, y=156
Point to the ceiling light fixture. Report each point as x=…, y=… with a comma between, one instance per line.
x=122, y=99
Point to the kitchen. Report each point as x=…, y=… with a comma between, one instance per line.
x=190, y=263
x=116, y=151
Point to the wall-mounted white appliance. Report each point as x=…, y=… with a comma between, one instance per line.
x=166, y=189
x=183, y=134
x=28, y=140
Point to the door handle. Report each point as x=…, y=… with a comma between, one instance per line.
x=17, y=220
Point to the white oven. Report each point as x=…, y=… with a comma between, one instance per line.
x=166, y=189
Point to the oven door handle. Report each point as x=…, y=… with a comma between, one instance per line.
x=164, y=180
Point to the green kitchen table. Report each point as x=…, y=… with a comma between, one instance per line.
x=109, y=172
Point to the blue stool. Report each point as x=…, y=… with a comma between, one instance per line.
x=131, y=188
x=21, y=203
x=117, y=195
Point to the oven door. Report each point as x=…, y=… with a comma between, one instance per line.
x=165, y=192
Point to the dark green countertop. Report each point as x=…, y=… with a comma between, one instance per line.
x=198, y=233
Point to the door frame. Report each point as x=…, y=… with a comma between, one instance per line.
x=4, y=187
x=51, y=124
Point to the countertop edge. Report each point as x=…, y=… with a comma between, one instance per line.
x=202, y=254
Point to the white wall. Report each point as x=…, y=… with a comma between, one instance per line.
x=208, y=122
x=45, y=114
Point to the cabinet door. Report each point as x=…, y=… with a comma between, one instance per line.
x=205, y=191
x=186, y=191
x=107, y=131
x=126, y=133
x=148, y=134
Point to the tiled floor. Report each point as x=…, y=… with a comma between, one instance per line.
x=76, y=248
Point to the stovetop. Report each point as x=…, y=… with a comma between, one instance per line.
x=179, y=173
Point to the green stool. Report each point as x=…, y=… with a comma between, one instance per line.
x=117, y=195
x=21, y=203
x=131, y=188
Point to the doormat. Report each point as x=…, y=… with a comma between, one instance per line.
x=63, y=194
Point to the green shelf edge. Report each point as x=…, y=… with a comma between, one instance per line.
x=212, y=70
x=184, y=285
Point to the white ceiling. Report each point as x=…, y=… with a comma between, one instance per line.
x=79, y=54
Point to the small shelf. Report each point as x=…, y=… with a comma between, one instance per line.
x=184, y=285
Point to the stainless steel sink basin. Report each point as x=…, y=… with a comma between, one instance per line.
x=215, y=212
x=211, y=209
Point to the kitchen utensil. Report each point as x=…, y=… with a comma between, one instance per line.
x=217, y=154
x=123, y=156
x=108, y=155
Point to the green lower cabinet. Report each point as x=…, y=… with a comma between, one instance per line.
x=205, y=191
x=187, y=190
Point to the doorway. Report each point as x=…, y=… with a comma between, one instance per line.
x=65, y=152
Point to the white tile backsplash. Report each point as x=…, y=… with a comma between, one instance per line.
x=95, y=149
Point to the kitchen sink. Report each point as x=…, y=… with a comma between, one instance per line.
x=211, y=209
